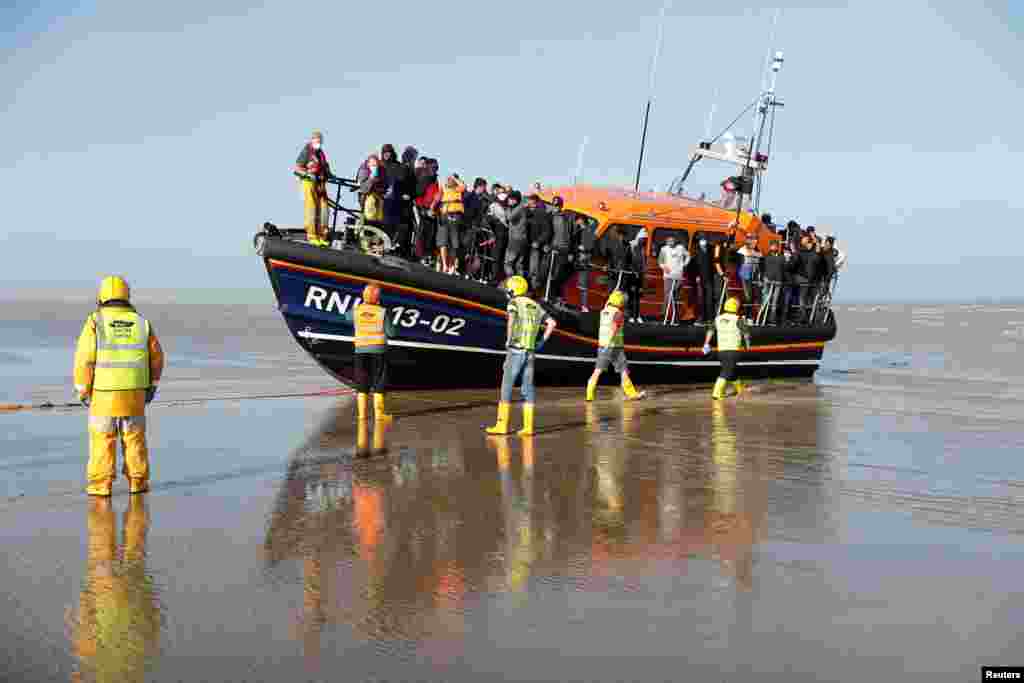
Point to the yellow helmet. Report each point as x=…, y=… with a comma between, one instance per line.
x=732, y=305
x=516, y=285
x=617, y=298
x=113, y=287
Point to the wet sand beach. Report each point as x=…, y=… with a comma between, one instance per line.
x=866, y=526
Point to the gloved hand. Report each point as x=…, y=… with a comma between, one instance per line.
x=540, y=344
x=707, y=349
x=150, y=393
x=85, y=399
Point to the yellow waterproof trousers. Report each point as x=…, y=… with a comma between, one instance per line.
x=314, y=214
x=104, y=433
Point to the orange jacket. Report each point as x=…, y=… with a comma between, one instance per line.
x=112, y=403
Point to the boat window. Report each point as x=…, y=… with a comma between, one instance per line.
x=711, y=237
x=662, y=234
x=628, y=231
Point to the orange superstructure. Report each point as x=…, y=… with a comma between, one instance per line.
x=661, y=214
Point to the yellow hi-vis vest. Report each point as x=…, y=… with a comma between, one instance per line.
x=122, y=350
x=369, y=323
x=727, y=328
x=525, y=324
x=451, y=201
x=605, y=338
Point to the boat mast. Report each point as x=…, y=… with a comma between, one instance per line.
x=768, y=103
x=650, y=95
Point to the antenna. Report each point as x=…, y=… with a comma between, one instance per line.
x=579, y=161
x=650, y=94
x=709, y=122
x=767, y=61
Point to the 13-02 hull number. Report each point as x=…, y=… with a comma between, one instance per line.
x=440, y=324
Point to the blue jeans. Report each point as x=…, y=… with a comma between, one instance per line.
x=518, y=364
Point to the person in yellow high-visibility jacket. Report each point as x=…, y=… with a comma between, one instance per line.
x=611, y=347
x=525, y=319
x=732, y=331
x=373, y=326
x=118, y=363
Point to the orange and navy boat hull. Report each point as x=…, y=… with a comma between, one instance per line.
x=450, y=332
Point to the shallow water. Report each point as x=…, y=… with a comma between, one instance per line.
x=867, y=526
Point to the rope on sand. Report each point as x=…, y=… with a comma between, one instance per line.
x=47, y=405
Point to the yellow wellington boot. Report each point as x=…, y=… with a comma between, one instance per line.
x=501, y=426
x=527, y=429
x=379, y=428
x=591, y=388
x=719, y=390
x=378, y=409
x=362, y=405
x=631, y=393
x=363, y=439
x=738, y=386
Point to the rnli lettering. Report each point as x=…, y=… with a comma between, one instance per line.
x=329, y=301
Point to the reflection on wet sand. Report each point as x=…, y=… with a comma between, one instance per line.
x=391, y=546
x=117, y=630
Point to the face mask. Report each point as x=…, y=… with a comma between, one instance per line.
x=374, y=170
x=502, y=196
x=316, y=145
x=703, y=244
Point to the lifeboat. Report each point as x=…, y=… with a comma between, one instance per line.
x=450, y=331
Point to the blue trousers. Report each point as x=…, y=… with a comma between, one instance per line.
x=518, y=364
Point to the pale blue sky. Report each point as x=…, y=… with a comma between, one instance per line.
x=153, y=138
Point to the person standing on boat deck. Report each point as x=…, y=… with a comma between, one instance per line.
x=398, y=183
x=774, y=270
x=611, y=347
x=808, y=266
x=517, y=252
x=731, y=330
x=724, y=259
x=449, y=230
x=475, y=204
x=672, y=258
x=525, y=318
x=371, y=189
x=118, y=363
x=539, y=230
x=703, y=259
x=313, y=170
x=749, y=270
x=410, y=155
x=428, y=190
x=497, y=220
x=561, y=239
x=584, y=252
x=373, y=327
x=618, y=260
x=637, y=273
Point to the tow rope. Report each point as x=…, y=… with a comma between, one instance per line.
x=47, y=405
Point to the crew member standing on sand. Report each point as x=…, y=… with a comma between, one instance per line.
x=372, y=328
x=611, y=348
x=732, y=330
x=118, y=363
x=313, y=171
x=525, y=318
